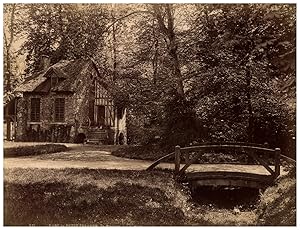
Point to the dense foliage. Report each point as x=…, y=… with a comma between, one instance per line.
x=186, y=72
x=12, y=31
x=236, y=73
x=63, y=31
x=233, y=59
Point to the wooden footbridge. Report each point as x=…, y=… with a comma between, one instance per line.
x=187, y=166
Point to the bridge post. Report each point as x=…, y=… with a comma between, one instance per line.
x=277, y=162
x=177, y=160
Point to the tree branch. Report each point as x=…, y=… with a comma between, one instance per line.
x=125, y=16
x=158, y=16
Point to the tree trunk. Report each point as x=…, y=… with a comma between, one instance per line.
x=155, y=62
x=249, y=105
x=7, y=74
x=168, y=31
x=177, y=72
x=8, y=44
x=173, y=50
x=155, y=56
x=114, y=52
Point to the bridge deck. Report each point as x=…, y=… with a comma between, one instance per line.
x=255, y=169
x=219, y=178
x=255, y=176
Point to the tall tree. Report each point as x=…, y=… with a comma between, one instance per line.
x=233, y=49
x=164, y=15
x=64, y=31
x=153, y=70
x=8, y=41
x=13, y=33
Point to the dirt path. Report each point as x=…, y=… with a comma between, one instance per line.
x=79, y=156
x=99, y=157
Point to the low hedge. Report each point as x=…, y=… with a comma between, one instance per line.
x=34, y=150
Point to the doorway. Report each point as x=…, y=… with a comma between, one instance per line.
x=100, y=115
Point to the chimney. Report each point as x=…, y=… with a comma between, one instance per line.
x=45, y=62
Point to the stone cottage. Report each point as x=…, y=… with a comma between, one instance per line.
x=68, y=102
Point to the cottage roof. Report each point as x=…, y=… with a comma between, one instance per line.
x=69, y=71
x=73, y=71
x=30, y=84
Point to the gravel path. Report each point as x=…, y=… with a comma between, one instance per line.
x=99, y=157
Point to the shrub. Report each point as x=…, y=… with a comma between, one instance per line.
x=34, y=150
x=181, y=125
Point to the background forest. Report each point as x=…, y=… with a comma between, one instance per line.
x=186, y=73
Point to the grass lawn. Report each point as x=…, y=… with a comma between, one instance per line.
x=105, y=197
x=278, y=203
x=100, y=197
x=91, y=197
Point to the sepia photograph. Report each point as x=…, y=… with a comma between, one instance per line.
x=149, y=114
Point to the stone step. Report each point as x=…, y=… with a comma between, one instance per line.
x=97, y=129
x=94, y=141
x=96, y=136
x=97, y=132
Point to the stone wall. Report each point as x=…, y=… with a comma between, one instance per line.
x=47, y=129
x=21, y=121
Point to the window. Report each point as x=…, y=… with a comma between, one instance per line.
x=59, y=115
x=35, y=109
x=101, y=115
x=54, y=81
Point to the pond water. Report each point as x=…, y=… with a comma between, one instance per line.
x=244, y=199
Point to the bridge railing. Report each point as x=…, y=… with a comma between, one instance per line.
x=158, y=161
x=250, y=149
